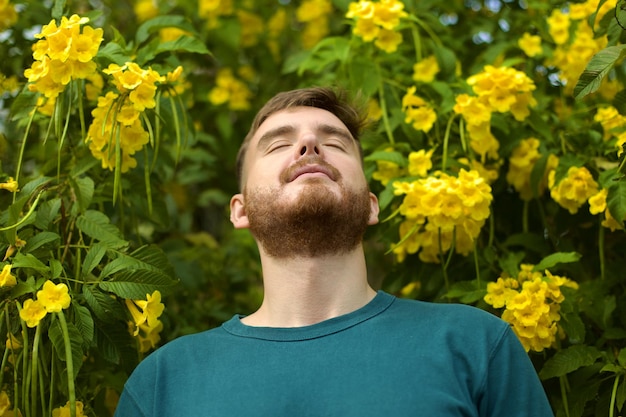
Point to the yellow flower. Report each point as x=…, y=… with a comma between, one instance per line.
x=530, y=44
x=559, y=23
x=252, y=27
x=418, y=111
x=597, y=202
x=54, y=297
x=420, y=162
x=146, y=323
x=388, y=40
x=5, y=402
x=145, y=9
x=426, y=70
x=10, y=185
x=32, y=312
x=65, y=410
x=386, y=171
x=472, y=109
x=6, y=278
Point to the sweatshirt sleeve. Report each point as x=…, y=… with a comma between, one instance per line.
x=512, y=387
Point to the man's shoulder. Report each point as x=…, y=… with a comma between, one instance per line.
x=462, y=317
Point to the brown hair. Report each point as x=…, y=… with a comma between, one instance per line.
x=333, y=100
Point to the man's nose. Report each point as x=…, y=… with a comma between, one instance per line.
x=309, y=145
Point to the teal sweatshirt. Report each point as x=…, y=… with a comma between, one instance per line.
x=393, y=357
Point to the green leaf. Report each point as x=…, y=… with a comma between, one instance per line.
x=46, y=213
x=39, y=240
x=93, y=258
x=182, y=44
x=29, y=261
x=146, y=270
x=83, y=190
x=153, y=25
x=55, y=333
x=98, y=226
x=113, y=53
x=326, y=52
x=135, y=285
x=389, y=156
x=57, y=9
x=616, y=200
x=568, y=360
x=597, y=68
x=467, y=292
x=103, y=305
x=364, y=75
x=557, y=258
x=84, y=322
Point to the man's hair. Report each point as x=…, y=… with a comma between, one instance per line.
x=335, y=101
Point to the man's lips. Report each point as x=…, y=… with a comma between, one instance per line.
x=311, y=169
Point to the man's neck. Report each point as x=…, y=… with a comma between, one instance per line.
x=305, y=291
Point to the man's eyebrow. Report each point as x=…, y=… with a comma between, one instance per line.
x=271, y=134
x=343, y=134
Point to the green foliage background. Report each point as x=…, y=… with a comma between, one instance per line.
x=164, y=226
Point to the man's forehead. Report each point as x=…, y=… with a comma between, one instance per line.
x=295, y=117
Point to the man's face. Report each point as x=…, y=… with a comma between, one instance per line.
x=304, y=188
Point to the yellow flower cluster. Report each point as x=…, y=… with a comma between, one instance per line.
x=252, y=27
x=146, y=326
x=52, y=298
x=574, y=190
x=418, y=111
x=377, y=22
x=211, y=10
x=231, y=90
x=8, y=17
x=572, y=54
x=441, y=211
x=314, y=14
x=10, y=85
x=63, y=53
x=532, y=304
x=613, y=124
x=521, y=164
x=497, y=89
x=117, y=117
x=597, y=205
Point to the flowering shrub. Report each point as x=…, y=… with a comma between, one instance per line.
x=496, y=148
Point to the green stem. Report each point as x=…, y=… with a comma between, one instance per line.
x=444, y=269
x=417, y=43
x=614, y=396
x=383, y=107
x=34, y=370
x=71, y=389
x=601, y=249
x=22, y=148
x=562, y=383
x=446, y=140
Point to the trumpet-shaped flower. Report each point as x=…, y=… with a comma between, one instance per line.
x=10, y=185
x=530, y=44
x=54, y=297
x=426, y=70
x=8, y=17
x=7, y=279
x=33, y=312
x=378, y=22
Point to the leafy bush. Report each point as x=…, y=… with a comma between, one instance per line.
x=496, y=149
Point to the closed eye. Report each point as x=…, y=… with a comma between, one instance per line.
x=278, y=145
x=336, y=144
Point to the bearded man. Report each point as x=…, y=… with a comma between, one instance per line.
x=323, y=342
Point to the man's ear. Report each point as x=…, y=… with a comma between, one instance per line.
x=238, y=216
x=374, y=209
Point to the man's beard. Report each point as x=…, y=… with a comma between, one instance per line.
x=317, y=223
